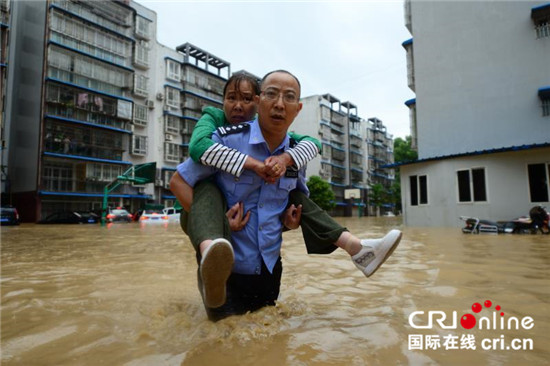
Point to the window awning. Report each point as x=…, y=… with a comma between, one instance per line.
x=544, y=93
x=541, y=13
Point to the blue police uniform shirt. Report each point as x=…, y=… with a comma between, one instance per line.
x=261, y=238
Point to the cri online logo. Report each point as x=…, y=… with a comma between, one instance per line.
x=469, y=321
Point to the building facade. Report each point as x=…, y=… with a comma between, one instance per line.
x=4, y=129
x=480, y=120
x=92, y=93
x=354, y=150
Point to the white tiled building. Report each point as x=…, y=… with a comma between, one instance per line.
x=481, y=116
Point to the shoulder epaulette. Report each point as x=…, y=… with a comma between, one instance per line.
x=292, y=142
x=230, y=129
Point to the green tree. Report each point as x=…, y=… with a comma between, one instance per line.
x=378, y=196
x=402, y=153
x=320, y=192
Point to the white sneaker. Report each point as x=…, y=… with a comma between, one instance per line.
x=375, y=252
x=215, y=268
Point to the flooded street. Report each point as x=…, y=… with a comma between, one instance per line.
x=127, y=295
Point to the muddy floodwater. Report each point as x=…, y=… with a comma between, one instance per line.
x=126, y=295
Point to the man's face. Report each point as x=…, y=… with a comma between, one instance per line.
x=279, y=103
x=238, y=102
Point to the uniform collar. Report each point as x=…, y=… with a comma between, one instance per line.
x=256, y=137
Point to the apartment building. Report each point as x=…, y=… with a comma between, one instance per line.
x=192, y=79
x=4, y=34
x=380, y=154
x=352, y=156
x=480, y=119
x=92, y=93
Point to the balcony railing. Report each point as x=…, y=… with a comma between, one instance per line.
x=542, y=30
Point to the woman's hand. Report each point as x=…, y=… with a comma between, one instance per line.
x=234, y=215
x=292, y=216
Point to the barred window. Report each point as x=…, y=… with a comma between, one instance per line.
x=541, y=19
x=544, y=95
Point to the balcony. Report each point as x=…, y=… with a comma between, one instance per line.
x=60, y=138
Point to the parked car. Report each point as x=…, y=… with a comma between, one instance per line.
x=137, y=214
x=9, y=215
x=70, y=217
x=118, y=214
x=153, y=216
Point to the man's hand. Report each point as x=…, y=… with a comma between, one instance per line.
x=235, y=217
x=292, y=217
x=276, y=165
x=259, y=168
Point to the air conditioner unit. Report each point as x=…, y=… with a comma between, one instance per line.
x=160, y=96
x=168, y=137
x=150, y=104
x=158, y=182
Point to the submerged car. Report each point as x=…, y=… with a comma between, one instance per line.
x=153, y=216
x=70, y=217
x=173, y=213
x=118, y=215
x=9, y=216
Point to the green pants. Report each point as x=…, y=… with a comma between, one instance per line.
x=207, y=220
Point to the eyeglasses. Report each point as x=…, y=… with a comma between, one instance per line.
x=272, y=95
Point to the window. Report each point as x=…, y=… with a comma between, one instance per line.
x=141, y=85
x=544, y=95
x=141, y=57
x=142, y=27
x=173, y=70
x=57, y=177
x=172, y=97
x=172, y=152
x=419, y=189
x=541, y=18
x=471, y=184
x=103, y=172
x=141, y=115
x=139, y=145
x=538, y=182
x=171, y=124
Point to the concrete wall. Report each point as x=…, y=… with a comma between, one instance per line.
x=23, y=99
x=478, y=67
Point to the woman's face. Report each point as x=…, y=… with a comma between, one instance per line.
x=238, y=104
